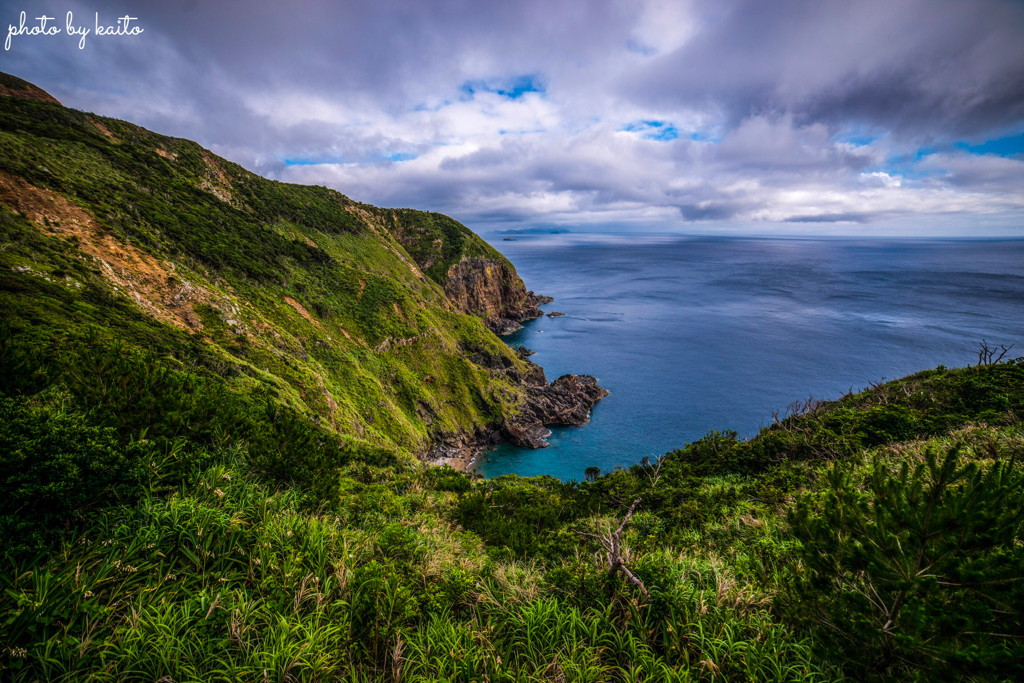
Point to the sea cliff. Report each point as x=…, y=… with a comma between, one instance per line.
x=378, y=324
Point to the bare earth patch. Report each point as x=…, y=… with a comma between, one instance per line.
x=140, y=276
x=103, y=129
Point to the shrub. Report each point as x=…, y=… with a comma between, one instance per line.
x=54, y=465
x=920, y=570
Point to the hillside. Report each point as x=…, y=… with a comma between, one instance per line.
x=373, y=321
x=213, y=389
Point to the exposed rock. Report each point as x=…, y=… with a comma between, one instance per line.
x=509, y=239
x=484, y=358
x=527, y=435
x=503, y=326
x=500, y=364
x=535, y=376
x=566, y=401
x=492, y=290
x=524, y=352
x=555, y=314
x=460, y=446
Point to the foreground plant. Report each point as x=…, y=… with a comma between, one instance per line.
x=920, y=569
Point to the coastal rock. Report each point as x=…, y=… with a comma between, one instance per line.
x=524, y=352
x=484, y=358
x=460, y=449
x=492, y=290
x=503, y=326
x=500, y=364
x=566, y=401
x=527, y=435
x=539, y=299
x=555, y=314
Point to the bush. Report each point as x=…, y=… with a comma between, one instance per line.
x=920, y=571
x=54, y=465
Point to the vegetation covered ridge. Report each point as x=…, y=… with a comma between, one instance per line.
x=157, y=526
x=372, y=321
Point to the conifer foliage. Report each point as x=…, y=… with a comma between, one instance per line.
x=921, y=568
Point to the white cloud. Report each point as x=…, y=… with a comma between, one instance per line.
x=653, y=113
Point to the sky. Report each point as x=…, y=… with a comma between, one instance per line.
x=871, y=117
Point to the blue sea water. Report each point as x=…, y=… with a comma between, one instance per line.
x=691, y=334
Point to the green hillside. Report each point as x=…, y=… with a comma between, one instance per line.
x=294, y=291
x=213, y=389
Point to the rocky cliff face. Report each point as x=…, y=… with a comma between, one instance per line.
x=477, y=278
x=490, y=289
x=566, y=401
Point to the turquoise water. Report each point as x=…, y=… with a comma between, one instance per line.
x=694, y=334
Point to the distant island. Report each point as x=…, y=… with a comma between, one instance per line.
x=531, y=231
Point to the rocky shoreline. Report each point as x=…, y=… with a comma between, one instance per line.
x=490, y=288
x=566, y=401
x=510, y=321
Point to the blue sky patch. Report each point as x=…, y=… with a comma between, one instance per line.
x=857, y=140
x=512, y=88
x=307, y=162
x=1005, y=147
x=662, y=131
x=368, y=159
x=906, y=165
x=640, y=48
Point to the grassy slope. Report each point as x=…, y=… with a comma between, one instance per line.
x=420, y=574
x=238, y=245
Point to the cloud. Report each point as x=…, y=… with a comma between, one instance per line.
x=661, y=113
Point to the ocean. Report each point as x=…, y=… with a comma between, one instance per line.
x=691, y=334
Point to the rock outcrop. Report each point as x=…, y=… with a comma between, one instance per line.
x=492, y=290
x=476, y=277
x=524, y=352
x=566, y=401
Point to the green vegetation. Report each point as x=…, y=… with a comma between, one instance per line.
x=290, y=290
x=200, y=481
x=208, y=534
x=436, y=241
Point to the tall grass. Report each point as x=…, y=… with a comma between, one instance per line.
x=225, y=579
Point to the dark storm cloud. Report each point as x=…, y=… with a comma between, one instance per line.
x=651, y=112
x=920, y=67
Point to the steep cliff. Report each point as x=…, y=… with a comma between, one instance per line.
x=489, y=288
x=290, y=292
x=475, y=276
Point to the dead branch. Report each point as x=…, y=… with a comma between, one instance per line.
x=1005, y=350
x=654, y=473
x=987, y=356
x=612, y=545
